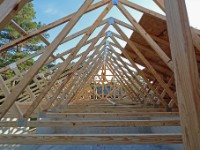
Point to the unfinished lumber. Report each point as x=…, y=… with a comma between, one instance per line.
x=186, y=72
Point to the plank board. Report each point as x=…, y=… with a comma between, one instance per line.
x=94, y=123
x=92, y=139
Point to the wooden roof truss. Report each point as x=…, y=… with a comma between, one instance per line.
x=171, y=68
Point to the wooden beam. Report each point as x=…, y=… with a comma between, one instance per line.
x=101, y=115
x=81, y=83
x=146, y=62
x=131, y=73
x=93, y=123
x=50, y=26
x=124, y=82
x=67, y=80
x=127, y=55
x=147, y=37
x=20, y=30
x=78, y=81
x=40, y=62
x=113, y=109
x=9, y=9
x=186, y=72
x=195, y=38
x=143, y=9
x=92, y=139
x=66, y=39
x=160, y=4
x=65, y=63
x=130, y=94
x=135, y=89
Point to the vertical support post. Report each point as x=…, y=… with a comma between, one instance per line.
x=186, y=73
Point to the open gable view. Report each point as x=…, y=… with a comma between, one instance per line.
x=151, y=81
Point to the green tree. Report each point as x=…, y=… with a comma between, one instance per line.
x=24, y=19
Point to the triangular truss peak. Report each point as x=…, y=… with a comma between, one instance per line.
x=106, y=74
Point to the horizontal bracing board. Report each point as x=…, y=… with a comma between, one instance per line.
x=102, y=115
x=92, y=139
x=111, y=109
x=93, y=123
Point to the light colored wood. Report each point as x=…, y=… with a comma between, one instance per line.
x=160, y=3
x=50, y=26
x=147, y=37
x=93, y=27
x=186, y=72
x=75, y=100
x=94, y=123
x=131, y=94
x=63, y=66
x=39, y=52
x=92, y=139
x=126, y=54
x=88, y=50
x=101, y=115
x=143, y=9
x=135, y=89
x=15, y=26
x=9, y=9
x=64, y=83
x=76, y=82
x=124, y=82
x=83, y=89
x=148, y=65
x=28, y=89
x=40, y=62
x=131, y=72
x=85, y=78
x=105, y=109
x=196, y=39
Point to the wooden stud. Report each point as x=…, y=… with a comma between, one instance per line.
x=186, y=72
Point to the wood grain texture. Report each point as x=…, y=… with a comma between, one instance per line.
x=94, y=123
x=92, y=139
x=40, y=62
x=186, y=72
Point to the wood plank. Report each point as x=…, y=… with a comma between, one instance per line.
x=93, y=123
x=130, y=94
x=68, y=60
x=147, y=37
x=64, y=83
x=186, y=72
x=122, y=81
x=143, y=9
x=80, y=83
x=20, y=30
x=77, y=64
x=114, y=109
x=195, y=38
x=126, y=79
x=40, y=62
x=9, y=9
x=131, y=72
x=92, y=139
x=101, y=115
x=146, y=62
x=160, y=3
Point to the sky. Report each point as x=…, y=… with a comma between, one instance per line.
x=48, y=11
